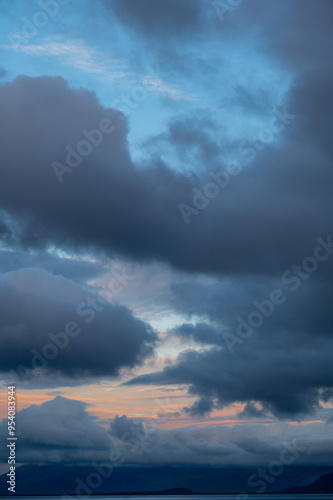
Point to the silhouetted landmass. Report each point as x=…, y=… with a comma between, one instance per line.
x=322, y=485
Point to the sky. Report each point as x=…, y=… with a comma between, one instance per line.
x=166, y=262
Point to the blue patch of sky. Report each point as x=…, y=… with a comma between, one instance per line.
x=233, y=82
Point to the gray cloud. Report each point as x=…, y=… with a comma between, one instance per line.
x=4, y=231
x=250, y=410
x=282, y=362
x=287, y=380
x=64, y=332
x=200, y=407
x=62, y=431
x=107, y=204
x=201, y=333
x=265, y=221
x=175, y=18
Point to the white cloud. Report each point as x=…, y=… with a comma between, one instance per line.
x=108, y=68
x=78, y=54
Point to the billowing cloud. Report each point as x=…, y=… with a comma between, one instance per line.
x=288, y=380
x=60, y=431
x=264, y=341
x=107, y=204
x=63, y=331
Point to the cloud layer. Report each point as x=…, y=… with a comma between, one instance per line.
x=62, y=431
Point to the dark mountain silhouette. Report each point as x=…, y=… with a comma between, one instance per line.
x=322, y=485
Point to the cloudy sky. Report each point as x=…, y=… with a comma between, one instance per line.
x=166, y=228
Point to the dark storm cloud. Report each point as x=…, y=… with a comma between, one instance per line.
x=63, y=331
x=200, y=407
x=271, y=213
x=173, y=18
x=200, y=332
x=304, y=307
x=307, y=34
x=192, y=140
x=298, y=32
x=4, y=230
x=287, y=382
x=282, y=363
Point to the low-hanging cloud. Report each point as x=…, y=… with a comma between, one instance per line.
x=62, y=431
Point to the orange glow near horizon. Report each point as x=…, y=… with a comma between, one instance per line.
x=153, y=406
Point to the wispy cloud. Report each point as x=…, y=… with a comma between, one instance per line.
x=77, y=54
x=161, y=87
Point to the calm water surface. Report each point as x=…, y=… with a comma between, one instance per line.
x=185, y=497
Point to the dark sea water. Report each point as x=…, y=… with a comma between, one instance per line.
x=186, y=497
